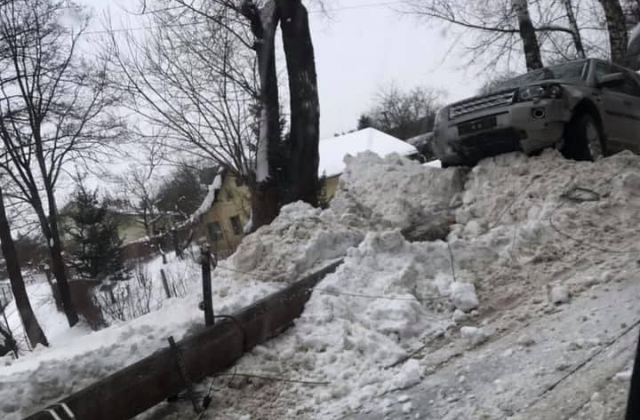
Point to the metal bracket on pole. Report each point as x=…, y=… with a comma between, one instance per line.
x=185, y=376
x=68, y=414
x=53, y=414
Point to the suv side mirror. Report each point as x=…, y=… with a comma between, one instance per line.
x=611, y=80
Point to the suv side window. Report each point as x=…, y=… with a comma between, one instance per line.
x=630, y=86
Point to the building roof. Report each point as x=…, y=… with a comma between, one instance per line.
x=333, y=150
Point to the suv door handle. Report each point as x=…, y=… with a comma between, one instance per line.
x=627, y=103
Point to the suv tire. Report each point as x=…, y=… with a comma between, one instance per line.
x=584, y=139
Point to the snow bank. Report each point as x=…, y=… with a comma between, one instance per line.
x=78, y=358
x=297, y=240
x=547, y=199
x=395, y=192
x=390, y=296
x=53, y=323
x=387, y=298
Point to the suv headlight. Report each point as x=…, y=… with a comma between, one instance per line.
x=531, y=93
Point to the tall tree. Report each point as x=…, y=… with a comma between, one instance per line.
x=404, y=113
x=27, y=316
x=180, y=193
x=266, y=177
x=52, y=110
x=304, y=103
x=575, y=29
x=499, y=29
x=532, y=55
x=209, y=89
x=616, y=25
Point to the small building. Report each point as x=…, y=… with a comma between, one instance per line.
x=225, y=211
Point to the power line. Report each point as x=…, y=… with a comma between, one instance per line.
x=311, y=12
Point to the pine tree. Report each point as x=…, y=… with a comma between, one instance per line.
x=94, y=233
x=364, y=121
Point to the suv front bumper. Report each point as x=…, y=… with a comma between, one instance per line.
x=524, y=126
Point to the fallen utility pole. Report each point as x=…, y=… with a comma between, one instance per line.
x=150, y=381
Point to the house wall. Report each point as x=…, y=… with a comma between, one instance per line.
x=235, y=201
x=332, y=186
x=232, y=200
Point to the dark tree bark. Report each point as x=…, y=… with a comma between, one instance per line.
x=528, y=35
x=265, y=195
x=573, y=24
x=32, y=328
x=618, y=36
x=304, y=104
x=57, y=262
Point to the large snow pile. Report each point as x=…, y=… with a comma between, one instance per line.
x=396, y=192
x=297, y=240
x=385, y=300
x=522, y=226
x=548, y=201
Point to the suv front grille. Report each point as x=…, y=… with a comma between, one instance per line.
x=478, y=104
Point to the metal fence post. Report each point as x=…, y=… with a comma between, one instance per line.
x=205, y=261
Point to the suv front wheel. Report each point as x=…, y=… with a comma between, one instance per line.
x=584, y=139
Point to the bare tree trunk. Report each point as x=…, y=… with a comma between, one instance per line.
x=528, y=35
x=57, y=262
x=304, y=104
x=575, y=30
x=265, y=199
x=618, y=37
x=29, y=321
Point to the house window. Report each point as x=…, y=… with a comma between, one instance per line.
x=239, y=182
x=215, y=232
x=236, y=224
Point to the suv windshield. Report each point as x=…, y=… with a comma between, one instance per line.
x=569, y=72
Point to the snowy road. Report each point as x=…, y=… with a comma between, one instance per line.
x=548, y=368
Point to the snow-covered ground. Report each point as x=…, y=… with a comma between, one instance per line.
x=527, y=311
x=78, y=357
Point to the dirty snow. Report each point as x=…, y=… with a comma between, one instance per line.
x=461, y=330
x=522, y=237
x=299, y=239
x=395, y=192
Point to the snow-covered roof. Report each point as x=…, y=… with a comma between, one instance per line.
x=333, y=150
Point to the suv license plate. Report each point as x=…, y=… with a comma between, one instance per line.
x=477, y=125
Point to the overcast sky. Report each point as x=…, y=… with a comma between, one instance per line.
x=361, y=46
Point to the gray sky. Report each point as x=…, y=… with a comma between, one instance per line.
x=361, y=46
